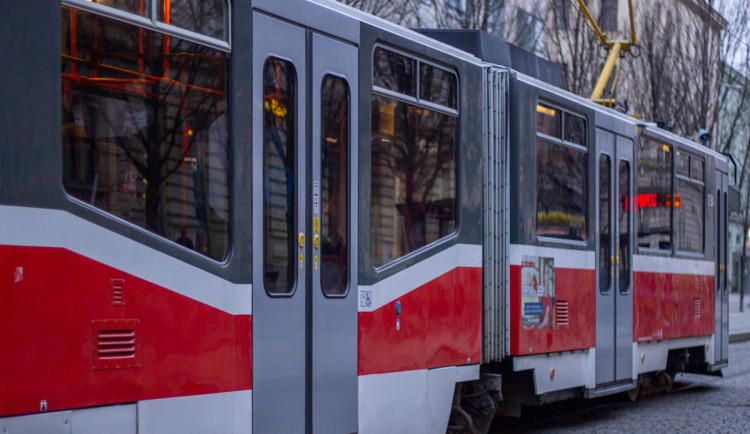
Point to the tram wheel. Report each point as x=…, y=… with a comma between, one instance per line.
x=668, y=382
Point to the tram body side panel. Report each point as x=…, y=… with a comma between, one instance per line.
x=62, y=262
x=673, y=291
x=571, y=321
x=420, y=314
x=673, y=298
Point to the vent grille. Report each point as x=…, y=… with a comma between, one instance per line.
x=561, y=314
x=115, y=344
x=118, y=286
x=697, y=307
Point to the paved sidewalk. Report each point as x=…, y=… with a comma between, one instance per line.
x=739, y=322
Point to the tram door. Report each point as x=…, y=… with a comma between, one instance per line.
x=721, y=306
x=614, y=295
x=304, y=311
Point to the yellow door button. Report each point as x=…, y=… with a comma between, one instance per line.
x=316, y=241
x=301, y=240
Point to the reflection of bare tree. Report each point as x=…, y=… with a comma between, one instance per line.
x=419, y=154
x=144, y=103
x=182, y=116
x=570, y=42
x=396, y=11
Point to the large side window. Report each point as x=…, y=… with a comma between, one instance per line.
x=688, y=203
x=413, y=190
x=144, y=127
x=561, y=153
x=654, y=195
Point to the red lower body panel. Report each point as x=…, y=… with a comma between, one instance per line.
x=669, y=306
x=440, y=325
x=574, y=291
x=52, y=312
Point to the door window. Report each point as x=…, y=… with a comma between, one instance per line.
x=624, y=227
x=334, y=217
x=605, y=248
x=279, y=196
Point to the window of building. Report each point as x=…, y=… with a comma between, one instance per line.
x=144, y=128
x=528, y=30
x=560, y=13
x=608, y=16
x=561, y=178
x=413, y=190
x=689, y=204
x=654, y=200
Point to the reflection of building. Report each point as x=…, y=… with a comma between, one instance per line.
x=733, y=134
x=519, y=22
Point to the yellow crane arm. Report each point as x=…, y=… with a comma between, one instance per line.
x=615, y=48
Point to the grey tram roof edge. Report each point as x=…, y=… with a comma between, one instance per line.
x=652, y=130
x=290, y=12
x=649, y=128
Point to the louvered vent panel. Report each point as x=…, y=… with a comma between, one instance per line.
x=118, y=286
x=561, y=314
x=115, y=344
x=697, y=307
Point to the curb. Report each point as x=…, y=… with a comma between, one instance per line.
x=739, y=337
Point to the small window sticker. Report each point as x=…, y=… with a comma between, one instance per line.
x=365, y=299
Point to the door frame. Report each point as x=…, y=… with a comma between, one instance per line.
x=614, y=308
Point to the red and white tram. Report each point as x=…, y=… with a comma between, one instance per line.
x=287, y=216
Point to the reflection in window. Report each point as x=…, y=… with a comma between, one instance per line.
x=334, y=141
x=608, y=16
x=437, y=86
x=208, y=17
x=688, y=204
x=279, y=141
x=654, y=195
x=575, y=129
x=395, y=72
x=548, y=120
x=605, y=242
x=413, y=178
x=624, y=230
x=144, y=129
x=560, y=191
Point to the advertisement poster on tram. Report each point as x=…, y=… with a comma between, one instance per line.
x=537, y=293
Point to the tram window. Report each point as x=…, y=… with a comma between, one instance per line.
x=548, y=121
x=624, y=230
x=395, y=72
x=437, y=86
x=696, y=169
x=654, y=195
x=682, y=164
x=605, y=244
x=207, y=17
x=144, y=129
x=689, y=207
x=575, y=129
x=413, y=178
x=561, y=206
x=279, y=183
x=334, y=185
